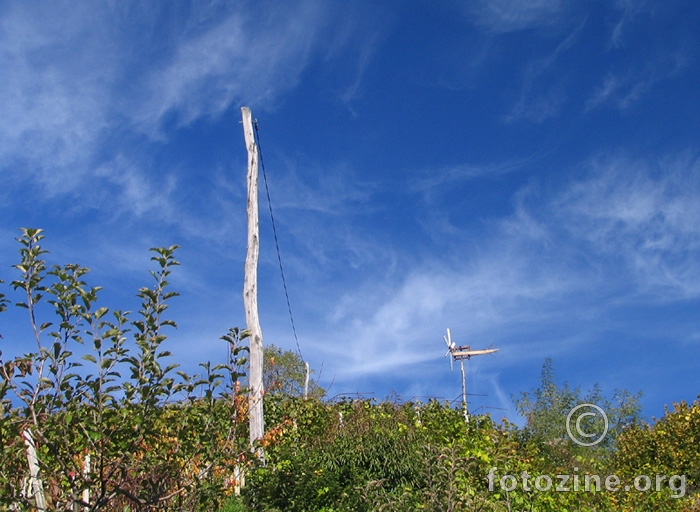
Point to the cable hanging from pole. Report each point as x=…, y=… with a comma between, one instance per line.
x=277, y=246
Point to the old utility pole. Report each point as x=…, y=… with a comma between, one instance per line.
x=250, y=290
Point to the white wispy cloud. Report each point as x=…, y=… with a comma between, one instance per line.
x=625, y=88
x=434, y=180
x=513, y=15
x=621, y=90
x=317, y=210
x=336, y=191
x=536, y=102
x=354, y=41
x=239, y=58
x=628, y=9
x=78, y=72
x=54, y=94
x=539, y=108
x=353, y=91
x=644, y=215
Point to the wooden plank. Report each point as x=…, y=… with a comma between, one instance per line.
x=469, y=353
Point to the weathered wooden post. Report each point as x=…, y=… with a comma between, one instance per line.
x=36, y=487
x=86, y=475
x=250, y=290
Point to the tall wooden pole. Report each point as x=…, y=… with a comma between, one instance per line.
x=250, y=289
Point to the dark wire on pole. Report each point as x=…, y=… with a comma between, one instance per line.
x=277, y=245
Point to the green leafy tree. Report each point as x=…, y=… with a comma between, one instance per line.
x=284, y=372
x=547, y=408
x=670, y=446
x=548, y=448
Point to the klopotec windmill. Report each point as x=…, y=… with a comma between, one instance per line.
x=460, y=354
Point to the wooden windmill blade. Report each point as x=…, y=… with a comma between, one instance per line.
x=468, y=353
x=450, y=347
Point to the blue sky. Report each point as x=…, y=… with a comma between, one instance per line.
x=524, y=173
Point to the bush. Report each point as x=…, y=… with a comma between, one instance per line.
x=328, y=453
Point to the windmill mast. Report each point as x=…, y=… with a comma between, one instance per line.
x=250, y=289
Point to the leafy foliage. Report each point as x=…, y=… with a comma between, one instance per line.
x=285, y=372
x=546, y=408
x=361, y=455
x=329, y=452
x=670, y=446
x=546, y=411
x=105, y=440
